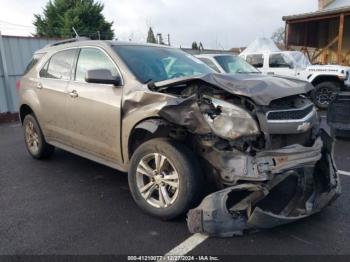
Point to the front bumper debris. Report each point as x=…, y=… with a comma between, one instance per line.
x=297, y=191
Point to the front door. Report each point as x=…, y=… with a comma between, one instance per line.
x=94, y=110
x=281, y=64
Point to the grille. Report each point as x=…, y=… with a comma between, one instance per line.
x=290, y=114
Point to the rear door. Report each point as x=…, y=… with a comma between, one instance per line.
x=95, y=109
x=52, y=85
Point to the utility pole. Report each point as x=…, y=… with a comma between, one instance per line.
x=98, y=34
x=168, y=39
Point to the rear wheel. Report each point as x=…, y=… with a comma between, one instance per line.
x=34, y=139
x=164, y=178
x=324, y=93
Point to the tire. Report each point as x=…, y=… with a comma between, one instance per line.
x=34, y=139
x=324, y=93
x=178, y=160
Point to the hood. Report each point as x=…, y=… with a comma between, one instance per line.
x=261, y=89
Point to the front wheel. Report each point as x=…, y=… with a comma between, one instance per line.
x=324, y=93
x=164, y=178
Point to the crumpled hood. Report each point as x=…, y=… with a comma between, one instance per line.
x=261, y=89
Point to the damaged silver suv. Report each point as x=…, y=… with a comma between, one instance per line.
x=251, y=143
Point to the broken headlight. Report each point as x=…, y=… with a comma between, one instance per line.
x=229, y=121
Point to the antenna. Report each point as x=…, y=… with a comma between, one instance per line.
x=75, y=31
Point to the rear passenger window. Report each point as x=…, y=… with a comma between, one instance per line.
x=93, y=58
x=59, y=66
x=256, y=60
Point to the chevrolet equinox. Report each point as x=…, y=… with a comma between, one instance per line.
x=250, y=144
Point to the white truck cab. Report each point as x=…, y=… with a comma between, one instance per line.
x=327, y=79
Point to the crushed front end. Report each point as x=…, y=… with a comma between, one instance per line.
x=299, y=181
x=263, y=151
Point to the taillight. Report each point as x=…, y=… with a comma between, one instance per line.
x=18, y=84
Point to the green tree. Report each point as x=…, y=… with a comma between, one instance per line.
x=200, y=46
x=195, y=45
x=150, y=36
x=160, y=39
x=59, y=16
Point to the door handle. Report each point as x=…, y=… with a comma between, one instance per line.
x=73, y=94
x=270, y=73
x=39, y=85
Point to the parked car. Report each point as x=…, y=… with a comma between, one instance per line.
x=327, y=79
x=227, y=64
x=178, y=128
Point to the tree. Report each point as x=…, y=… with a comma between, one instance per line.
x=195, y=45
x=150, y=36
x=59, y=16
x=278, y=37
x=200, y=46
x=160, y=39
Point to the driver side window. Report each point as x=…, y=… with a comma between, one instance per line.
x=93, y=58
x=279, y=61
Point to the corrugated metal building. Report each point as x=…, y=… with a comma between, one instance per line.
x=15, y=54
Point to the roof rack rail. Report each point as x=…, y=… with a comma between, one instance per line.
x=66, y=41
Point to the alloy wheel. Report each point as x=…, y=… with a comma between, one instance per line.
x=325, y=96
x=157, y=180
x=32, y=137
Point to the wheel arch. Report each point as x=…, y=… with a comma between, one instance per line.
x=326, y=78
x=24, y=110
x=145, y=130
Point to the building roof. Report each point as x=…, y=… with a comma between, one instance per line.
x=318, y=14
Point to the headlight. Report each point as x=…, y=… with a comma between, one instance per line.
x=232, y=122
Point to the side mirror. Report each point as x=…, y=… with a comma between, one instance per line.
x=102, y=76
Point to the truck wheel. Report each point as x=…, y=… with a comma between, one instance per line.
x=324, y=93
x=164, y=178
x=34, y=139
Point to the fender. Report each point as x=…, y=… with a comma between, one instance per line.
x=30, y=99
x=145, y=130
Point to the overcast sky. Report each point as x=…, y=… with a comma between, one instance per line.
x=217, y=24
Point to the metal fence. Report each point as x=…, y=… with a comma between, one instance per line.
x=15, y=54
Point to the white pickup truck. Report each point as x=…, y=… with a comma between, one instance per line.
x=327, y=79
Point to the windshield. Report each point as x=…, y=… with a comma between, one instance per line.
x=235, y=65
x=153, y=64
